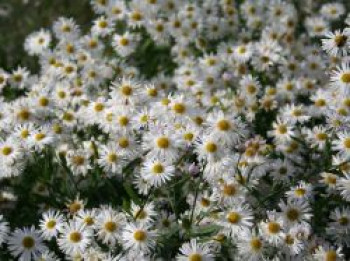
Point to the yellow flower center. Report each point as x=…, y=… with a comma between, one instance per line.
x=250, y=152
x=331, y=180
x=75, y=237
x=112, y=157
x=320, y=102
x=188, y=136
x=136, y=16
x=321, y=136
x=43, y=101
x=195, y=257
x=140, y=235
x=165, y=101
x=289, y=86
x=255, y=244
x=297, y=112
x=211, y=61
x=126, y=90
x=251, y=89
x=300, y=192
x=99, y=107
x=61, y=94
x=152, y=92
x=67, y=116
x=6, y=150
x=273, y=227
x=103, y=24
x=289, y=240
x=23, y=114
x=123, y=121
x=346, y=102
x=343, y=221
x=340, y=40
x=109, y=116
x=333, y=11
x=205, y=202
x=190, y=82
x=214, y=100
x=24, y=134
x=241, y=50
x=211, y=147
x=163, y=142
x=93, y=44
x=74, y=207
x=265, y=59
x=331, y=255
x=78, y=160
x=347, y=143
x=345, y=78
x=229, y=190
x=282, y=129
x=116, y=11
x=28, y=242
x=66, y=28
x=110, y=226
x=233, y=217
x=223, y=125
x=124, y=41
x=89, y=221
x=39, y=136
x=123, y=142
x=157, y=168
x=179, y=108
x=198, y=120
x=144, y=118
x=69, y=69
x=293, y=214
x=318, y=28
x=51, y=224
x=342, y=111
x=17, y=77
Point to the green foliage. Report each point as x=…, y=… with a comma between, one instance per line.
x=18, y=19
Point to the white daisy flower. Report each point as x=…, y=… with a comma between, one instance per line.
x=157, y=171
x=342, y=144
x=336, y=43
x=138, y=238
x=251, y=246
x=125, y=44
x=51, y=223
x=74, y=238
x=109, y=224
x=26, y=243
x=237, y=219
x=37, y=42
x=340, y=78
x=273, y=228
x=194, y=251
x=4, y=230
x=295, y=212
x=326, y=252
x=143, y=215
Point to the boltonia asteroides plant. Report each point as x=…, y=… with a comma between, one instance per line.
x=180, y=130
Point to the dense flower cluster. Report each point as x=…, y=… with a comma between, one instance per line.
x=204, y=130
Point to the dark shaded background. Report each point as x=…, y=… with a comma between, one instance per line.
x=18, y=18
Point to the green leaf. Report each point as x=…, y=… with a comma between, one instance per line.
x=132, y=194
x=208, y=230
